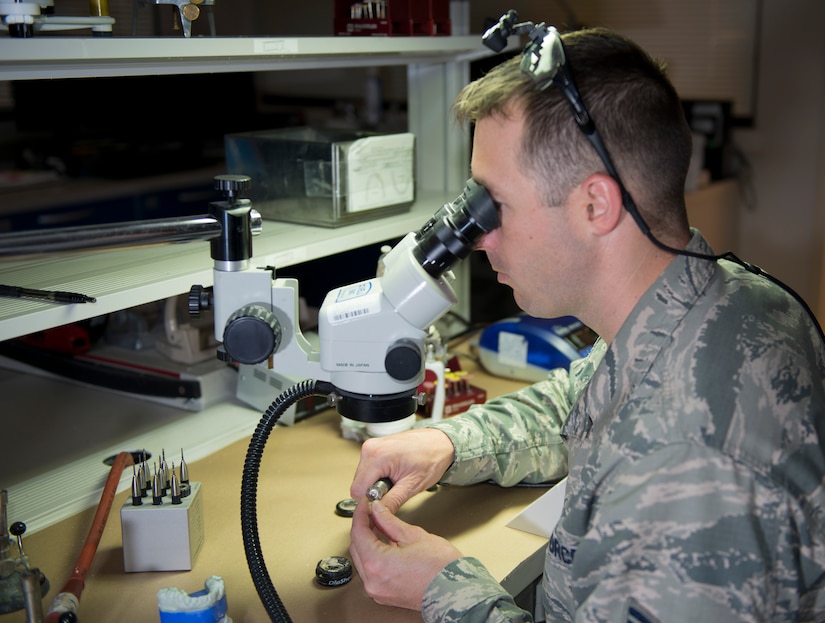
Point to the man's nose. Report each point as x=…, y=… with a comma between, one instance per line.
x=486, y=241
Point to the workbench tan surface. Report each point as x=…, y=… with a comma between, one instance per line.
x=306, y=469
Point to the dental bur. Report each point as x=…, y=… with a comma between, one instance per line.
x=379, y=489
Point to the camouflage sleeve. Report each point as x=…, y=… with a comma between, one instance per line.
x=465, y=591
x=517, y=437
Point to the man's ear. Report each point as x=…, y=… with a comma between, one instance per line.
x=604, y=209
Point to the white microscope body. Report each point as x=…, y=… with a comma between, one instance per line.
x=372, y=333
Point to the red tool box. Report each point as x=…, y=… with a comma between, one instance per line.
x=392, y=18
x=460, y=394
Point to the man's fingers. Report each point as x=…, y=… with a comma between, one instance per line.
x=395, y=529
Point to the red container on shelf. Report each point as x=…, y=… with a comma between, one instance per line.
x=392, y=18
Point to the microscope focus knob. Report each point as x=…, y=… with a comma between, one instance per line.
x=251, y=334
x=199, y=298
x=403, y=360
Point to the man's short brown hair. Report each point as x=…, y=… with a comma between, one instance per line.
x=633, y=104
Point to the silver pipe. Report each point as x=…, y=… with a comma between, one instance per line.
x=130, y=233
x=133, y=233
x=32, y=597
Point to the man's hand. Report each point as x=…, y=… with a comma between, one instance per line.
x=414, y=460
x=395, y=560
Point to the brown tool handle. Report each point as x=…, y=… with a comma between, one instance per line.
x=77, y=580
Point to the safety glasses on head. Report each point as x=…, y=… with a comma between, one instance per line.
x=544, y=59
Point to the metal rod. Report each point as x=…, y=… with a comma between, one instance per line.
x=4, y=525
x=32, y=596
x=132, y=233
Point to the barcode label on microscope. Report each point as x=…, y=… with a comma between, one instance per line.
x=349, y=314
x=353, y=301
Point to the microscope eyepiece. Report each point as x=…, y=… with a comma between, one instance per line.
x=455, y=229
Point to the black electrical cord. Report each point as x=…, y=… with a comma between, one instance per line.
x=249, y=487
x=563, y=79
x=545, y=60
x=594, y=137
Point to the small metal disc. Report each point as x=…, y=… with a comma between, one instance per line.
x=333, y=571
x=345, y=508
x=191, y=11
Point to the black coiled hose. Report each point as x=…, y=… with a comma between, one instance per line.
x=249, y=492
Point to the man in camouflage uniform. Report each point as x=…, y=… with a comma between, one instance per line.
x=691, y=436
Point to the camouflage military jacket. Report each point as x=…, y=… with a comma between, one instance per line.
x=695, y=453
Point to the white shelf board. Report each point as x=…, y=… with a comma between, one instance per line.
x=74, y=57
x=123, y=278
x=65, y=431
